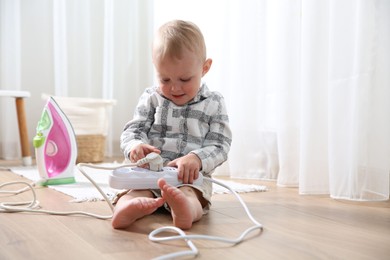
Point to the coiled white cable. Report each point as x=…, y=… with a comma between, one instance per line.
x=11, y=207
x=182, y=236
x=33, y=205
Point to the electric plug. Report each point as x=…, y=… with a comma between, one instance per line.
x=154, y=160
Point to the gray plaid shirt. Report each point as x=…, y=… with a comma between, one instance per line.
x=200, y=127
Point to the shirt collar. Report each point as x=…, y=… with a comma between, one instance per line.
x=203, y=93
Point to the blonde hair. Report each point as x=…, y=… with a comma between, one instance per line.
x=175, y=36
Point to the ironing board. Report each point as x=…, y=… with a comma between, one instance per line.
x=22, y=122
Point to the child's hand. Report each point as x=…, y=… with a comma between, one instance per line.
x=188, y=167
x=140, y=151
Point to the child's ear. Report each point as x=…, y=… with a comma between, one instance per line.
x=206, y=66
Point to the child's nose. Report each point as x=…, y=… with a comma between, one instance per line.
x=175, y=86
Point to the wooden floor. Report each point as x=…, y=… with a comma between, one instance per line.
x=295, y=227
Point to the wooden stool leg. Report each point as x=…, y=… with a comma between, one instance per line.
x=23, y=133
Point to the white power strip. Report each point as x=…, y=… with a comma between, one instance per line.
x=140, y=178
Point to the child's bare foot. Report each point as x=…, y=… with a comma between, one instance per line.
x=130, y=210
x=184, y=204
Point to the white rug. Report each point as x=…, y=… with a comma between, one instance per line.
x=83, y=190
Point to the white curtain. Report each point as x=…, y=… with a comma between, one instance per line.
x=90, y=48
x=333, y=126
x=306, y=82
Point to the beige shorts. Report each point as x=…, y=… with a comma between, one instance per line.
x=205, y=189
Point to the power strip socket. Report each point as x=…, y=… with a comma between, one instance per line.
x=140, y=178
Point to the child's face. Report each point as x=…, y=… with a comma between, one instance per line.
x=179, y=79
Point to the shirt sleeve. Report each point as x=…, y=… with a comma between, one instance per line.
x=218, y=140
x=135, y=131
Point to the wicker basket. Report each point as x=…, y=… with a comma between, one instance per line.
x=90, y=148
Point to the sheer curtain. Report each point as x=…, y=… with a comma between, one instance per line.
x=307, y=90
x=334, y=136
x=92, y=48
x=306, y=82
x=330, y=86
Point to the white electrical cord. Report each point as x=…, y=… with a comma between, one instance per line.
x=181, y=234
x=33, y=205
x=155, y=163
x=187, y=238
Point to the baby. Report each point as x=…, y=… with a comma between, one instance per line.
x=184, y=122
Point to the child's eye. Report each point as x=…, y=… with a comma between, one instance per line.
x=185, y=80
x=164, y=80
